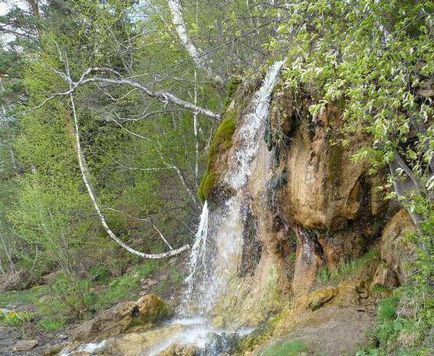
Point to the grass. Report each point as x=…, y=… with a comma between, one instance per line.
x=15, y=319
x=387, y=309
x=287, y=348
x=326, y=276
x=29, y=296
x=53, y=303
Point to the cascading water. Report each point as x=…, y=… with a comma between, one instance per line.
x=206, y=283
x=198, y=252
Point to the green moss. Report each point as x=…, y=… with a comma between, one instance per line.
x=261, y=334
x=232, y=86
x=221, y=142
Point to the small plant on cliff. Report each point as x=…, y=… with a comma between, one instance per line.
x=346, y=269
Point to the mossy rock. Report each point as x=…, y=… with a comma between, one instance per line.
x=221, y=142
x=143, y=314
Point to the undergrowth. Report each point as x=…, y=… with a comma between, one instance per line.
x=64, y=300
x=405, y=319
x=327, y=276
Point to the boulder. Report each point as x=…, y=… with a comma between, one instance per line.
x=396, y=250
x=320, y=297
x=15, y=281
x=180, y=350
x=141, y=314
x=25, y=345
x=385, y=276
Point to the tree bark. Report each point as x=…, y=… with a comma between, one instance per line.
x=195, y=53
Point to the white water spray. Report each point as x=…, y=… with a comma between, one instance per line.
x=227, y=237
x=198, y=251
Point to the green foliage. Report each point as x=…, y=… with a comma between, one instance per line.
x=286, y=348
x=374, y=65
x=221, y=142
x=387, y=309
x=346, y=269
x=51, y=325
x=15, y=319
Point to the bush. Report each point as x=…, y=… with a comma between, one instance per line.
x=15, y=319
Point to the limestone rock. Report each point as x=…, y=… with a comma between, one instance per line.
x=143, y=313
x=25, y=345
x=320, y=297
x=396, y=250
x=385, y=276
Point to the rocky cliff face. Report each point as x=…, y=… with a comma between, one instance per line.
x=308, y=206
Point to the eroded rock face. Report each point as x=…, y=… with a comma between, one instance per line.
x=310, y=205
x=396, y=251
x=142, y=314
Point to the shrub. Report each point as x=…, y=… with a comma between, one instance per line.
x=15, y=318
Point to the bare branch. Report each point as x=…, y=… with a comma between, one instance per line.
x=163, y=96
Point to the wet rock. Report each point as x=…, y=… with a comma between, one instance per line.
x=133, y=344
x=51, y=350
x=321, y=297
x=396, y=251
x=142, y=314
x=25, y=345
x=220, y=344
x=308, y=261
x=180, y=350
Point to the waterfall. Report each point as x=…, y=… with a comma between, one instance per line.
x=212, y=269
x=198, y=251
x=252, y=130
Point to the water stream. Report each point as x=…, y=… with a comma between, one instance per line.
x=217, y=250
x=212, y=268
